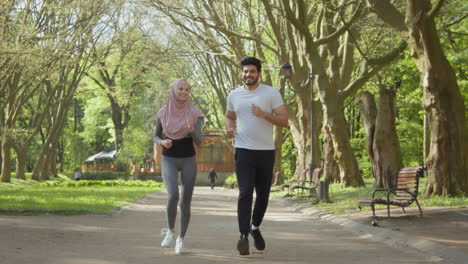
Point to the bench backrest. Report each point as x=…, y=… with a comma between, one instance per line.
x=408, y=179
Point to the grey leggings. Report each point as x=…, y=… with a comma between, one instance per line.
x=170, y=168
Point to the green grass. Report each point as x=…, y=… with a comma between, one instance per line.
x=344, y=200
x=67, y=197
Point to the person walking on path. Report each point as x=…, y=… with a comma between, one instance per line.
x=178, y=126
x=252, y=110
x=212, y=176
x=77, y=174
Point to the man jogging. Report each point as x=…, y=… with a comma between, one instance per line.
x=252, y=110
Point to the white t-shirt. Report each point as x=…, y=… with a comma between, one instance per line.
x=254, y=132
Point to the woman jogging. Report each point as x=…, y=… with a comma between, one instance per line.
x=178, y=126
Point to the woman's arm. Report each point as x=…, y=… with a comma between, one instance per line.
x=167, y=143
x=158, y=132
x=196, y=133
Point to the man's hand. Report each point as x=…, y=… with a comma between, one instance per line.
x=230, y=122
x=257, y=111
x=230, y=132
x=167, y=143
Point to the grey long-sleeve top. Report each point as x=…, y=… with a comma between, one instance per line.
x=183, y=147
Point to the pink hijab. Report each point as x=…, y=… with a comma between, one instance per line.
x=176, y=112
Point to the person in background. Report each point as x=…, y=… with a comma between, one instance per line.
x=178, y=126
x=77, y=174
x=212, y=176
x=252, y=110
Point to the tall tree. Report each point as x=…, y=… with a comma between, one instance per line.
x=120, y=71
x=382, y=141
x=447, y=161
x=77, y=41
x=27, y=61
x=328, y=50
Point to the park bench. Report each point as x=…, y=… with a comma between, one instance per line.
x=285, y=186
x=403, y=195
x=310, y=186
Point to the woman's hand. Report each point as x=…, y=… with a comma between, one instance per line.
x=190, y=124
x=167, y=143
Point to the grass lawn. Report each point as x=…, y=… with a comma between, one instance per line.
x=344, y=200
x=64, y=196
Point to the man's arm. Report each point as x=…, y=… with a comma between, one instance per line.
x=278, y=118
x=230, y=121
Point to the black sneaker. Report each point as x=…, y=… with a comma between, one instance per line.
x=258, y=239
x=243, y=245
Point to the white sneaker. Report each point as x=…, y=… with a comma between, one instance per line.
x=179, y=246
x=168, y=237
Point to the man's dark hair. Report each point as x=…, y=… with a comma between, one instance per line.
x=251, y=61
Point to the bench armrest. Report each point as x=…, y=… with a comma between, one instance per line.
x=378, y=190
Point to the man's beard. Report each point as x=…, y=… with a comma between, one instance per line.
x=255, y=81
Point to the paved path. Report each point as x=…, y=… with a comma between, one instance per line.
x=132, y=236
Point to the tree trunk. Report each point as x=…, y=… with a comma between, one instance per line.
x=1, y=157
x=382, y=140
x=448, y=156
x=427, y=142
x=20, y=164
x=368, y=109
x=343, y=153
x=386, y=147
x=331, y=171
x=279, y=139
x=302, y=162
x=53, y=159
x=43, y=166
x=120, y=118
x=6, y=161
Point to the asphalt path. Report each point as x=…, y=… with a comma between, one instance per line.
x=132, y=235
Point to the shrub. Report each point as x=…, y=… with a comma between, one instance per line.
x=103, y=175
x=104, y=183
x=231, y=181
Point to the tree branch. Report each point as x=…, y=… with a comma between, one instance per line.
x=358, y=83
x=232, y=33
x=378, y=63
x=96, y=81
x=456, y=21
x=389, y=56
x=291, y=17
x=435, y=10
x=342, y=29
x=388, y=13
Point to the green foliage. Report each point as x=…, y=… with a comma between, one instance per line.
x=97, y=124
x=409, y=113
x=103, y=175
x=231, y=180
x=68, y=200
x=358, y=143
x=289, y=157
x=64, y=196
x=101, y=183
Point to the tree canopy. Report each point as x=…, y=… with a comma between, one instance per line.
x=388, y=81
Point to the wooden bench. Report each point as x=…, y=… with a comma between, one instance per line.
x=310, y=186
x=403, y=195
x=285, y=186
